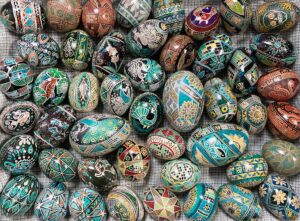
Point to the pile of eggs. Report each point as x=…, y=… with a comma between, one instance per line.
x=164, y=66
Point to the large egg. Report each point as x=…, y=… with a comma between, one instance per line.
x=220, y=102
x=52, y=203
x=147, y=38
x=145, y=74
x=84, y=92
x=19, y=154
x=5, y=177
x=183, y=99
x=217, y=144
x=279, y=197
x=58, y=164
x=19, y=195
x=98, y=134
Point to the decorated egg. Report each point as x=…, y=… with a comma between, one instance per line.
x=279, y=84
x=275, y=16
x=23, y=17
x=200, y=203
x=239, y=203
x=213, y=56
x=184, y=108
x=220, y=103
x=273, y=50
x=252, y=114
x=19, y=195
x=98, y=134
x=19, y=118
x=146, y=113
x=179, y=175
x=50, y=87
x=147, y=38
x=16, y=78
x=166, y=144
x=97, y=173
x=242, y=72
x=287, y=127
x=124, y=204
x=145, y=74
x=278, y=196
x=58, y=164
x=130, y=13
x=5, y=177
x=217, y=144
x=177, y=54
x=116, y=94
x=283, y=157
x=87, y=204
x=98, y=17
x=52, y=129
x=202, y=22
x=77, y=50
x=84, y=92
x=171, y=13
x=19, y=154
x=109, y=55
x=161, y=204
x=52, y=203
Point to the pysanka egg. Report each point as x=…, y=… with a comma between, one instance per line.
x=217, y=144
x=98, y=134
x=183, y=99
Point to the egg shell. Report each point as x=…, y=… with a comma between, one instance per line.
x=283, y=157
x=116, y=94
x=19, y=195
x=161, y=204
x=217, y=144
x=124, y=204
x=98, y=134
x=58, y=164
x=77, y=50
x=98, y=17
x=5, y=177
x=52, y=129
x=200, y=203
x=19, y=154
x=87, y=204
x=279, y=84
x=220, y=102
x=19, y=117
x=252, y=114
x=166, y=144
x=288, y=127
x=108, y=57
x=97, y=173
x=202, y=22
x=275, y=16
x=239, y=203
x=145, y=74
x=84, y=92
x=130, y=13
x=16, y=78
x=23, y=17
x=52, y=203
x=279, y=197
x=177, y=54
x=50, y=87
x=147, y=38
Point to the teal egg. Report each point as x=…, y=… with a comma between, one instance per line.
x=146, y=113
x=239, y=203
x=98, y=134
x=19, y=195
x=217, y=144
x=145, y=74
x=200, y=203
